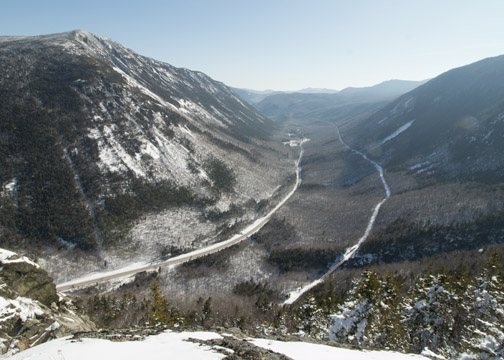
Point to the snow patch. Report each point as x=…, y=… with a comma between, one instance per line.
x=9, y=257
x=397, y=132
x=149, y=149
x=157, y=347
x=23, y=307
x=184, y=129
x=178, y=346
x=10, y=186
x=408, y=102
x=308, y=351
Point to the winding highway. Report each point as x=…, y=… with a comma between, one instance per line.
x=100, y=277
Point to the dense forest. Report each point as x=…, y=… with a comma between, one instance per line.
x=439, y=311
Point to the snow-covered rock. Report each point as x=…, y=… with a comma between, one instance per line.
x=31, y=312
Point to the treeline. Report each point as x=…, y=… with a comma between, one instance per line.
x=127, y=310
x=446, y=313
x=303, y=259
x=402, y=240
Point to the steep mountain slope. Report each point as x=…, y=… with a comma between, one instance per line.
x=452, y=125
x=330, y=107
x=441, y=146
x=99, y=144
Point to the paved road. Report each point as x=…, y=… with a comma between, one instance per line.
x=96, y=278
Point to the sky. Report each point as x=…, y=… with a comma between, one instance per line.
x=282, y=44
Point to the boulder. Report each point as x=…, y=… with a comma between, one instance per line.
x=31, y=310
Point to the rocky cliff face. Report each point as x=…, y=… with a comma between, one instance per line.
x=104, y=149
x=31, y=311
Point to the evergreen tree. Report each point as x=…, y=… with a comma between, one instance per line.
x=280, y=322
x=447, y=314
x=207, y=309
x=485, y=339
x=329, y=300
x=385, y=328
x=430, y=314
x=351, y=320
x=310, y=319
x=160, y=313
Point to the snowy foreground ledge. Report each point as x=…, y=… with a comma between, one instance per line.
x=173, y=345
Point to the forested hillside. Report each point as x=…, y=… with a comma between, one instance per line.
x=105, y=151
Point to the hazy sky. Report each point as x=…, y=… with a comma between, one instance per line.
x=282, y=44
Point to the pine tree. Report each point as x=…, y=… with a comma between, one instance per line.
x=386, y=327
x=207, y=309
x=310, y=319
x=485, y=339
x=160, y=314
x=354, y=315
x=430, y=314
x=280, y=322
x=328, y=300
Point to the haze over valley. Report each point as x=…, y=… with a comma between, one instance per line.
x=147, y=203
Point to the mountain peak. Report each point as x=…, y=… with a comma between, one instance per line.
x=123, y=127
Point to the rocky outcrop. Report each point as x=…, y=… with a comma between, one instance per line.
x=234, y=344
x=27, y=280
x=237, y=349
x=31, y=311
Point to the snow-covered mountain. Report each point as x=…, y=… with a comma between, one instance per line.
x=100, y=145
x=441, y=147
x=452, y=126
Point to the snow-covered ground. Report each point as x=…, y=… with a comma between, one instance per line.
x=150, y=265
x=349, y=252
x=159, y=347
x=174, y=345
x=397, y=132
x=308, y=351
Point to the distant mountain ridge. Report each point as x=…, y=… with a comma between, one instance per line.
x=255, y=96
x=330, y=106
x=453, y=125
x=387, y=88
x=441, y=148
